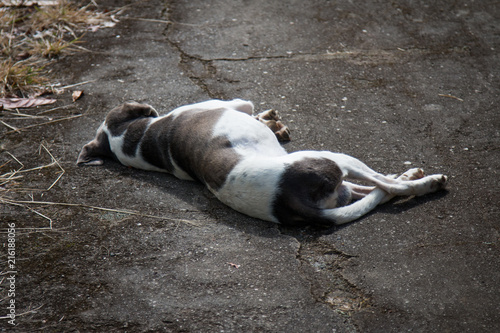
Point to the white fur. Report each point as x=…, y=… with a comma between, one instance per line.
x=116, y=143
x=235, y=104
x=264, y=162
x=253, y=193
x=248, y=137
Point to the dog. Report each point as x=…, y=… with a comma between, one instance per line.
x=239, y=158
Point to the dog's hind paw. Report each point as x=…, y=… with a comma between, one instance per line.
x=439, y=182
x=414, y=174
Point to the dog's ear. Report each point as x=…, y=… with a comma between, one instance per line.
x=130, y=111
x=135, y=110
x=118, y=119
x=94, y=151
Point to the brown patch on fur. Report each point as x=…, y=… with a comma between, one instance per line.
x=202, y=156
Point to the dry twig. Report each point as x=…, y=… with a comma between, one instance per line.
x=25, y=312
x=451, y=96
x=26, y=204
x=66, y=204
x=42, y=124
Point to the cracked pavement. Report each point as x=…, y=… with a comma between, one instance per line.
x=398, y=84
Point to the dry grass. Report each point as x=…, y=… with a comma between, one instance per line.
x=31, y=37
x=27, y=77
x=64, y=16
x=32, y=34
x=51, y=49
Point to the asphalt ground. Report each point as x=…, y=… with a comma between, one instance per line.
x=396, y=84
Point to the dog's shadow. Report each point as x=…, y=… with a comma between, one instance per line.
x=192, y=198
x=399, y=205
x=395, y=206
x=197, y=196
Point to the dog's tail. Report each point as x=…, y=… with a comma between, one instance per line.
x=354, y=211
x=307, y=213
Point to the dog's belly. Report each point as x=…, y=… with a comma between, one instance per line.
x=251, y=186
x=247, y=137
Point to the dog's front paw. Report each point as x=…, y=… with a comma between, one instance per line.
x=268, y=115
x=271, y=119
x=283, y=133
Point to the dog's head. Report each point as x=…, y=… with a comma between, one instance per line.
x=116, y=123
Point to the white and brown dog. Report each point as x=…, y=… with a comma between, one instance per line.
x=238, y=157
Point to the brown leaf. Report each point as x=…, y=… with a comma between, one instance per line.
x=77, y=94
x=13, y=103
x=233, y=265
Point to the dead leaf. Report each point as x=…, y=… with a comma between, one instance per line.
x=29, y=3
x=77, y=94
x=13, y=103
x=233, y=265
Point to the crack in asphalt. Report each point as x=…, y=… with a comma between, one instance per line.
x=188, y=62
x=322, y=265
x=319, y=263
x=198, y=69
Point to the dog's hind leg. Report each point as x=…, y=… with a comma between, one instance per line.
x=358, y=191
x=355, y=169
x=346, y=214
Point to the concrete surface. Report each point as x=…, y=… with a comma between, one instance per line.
x=392, y=83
